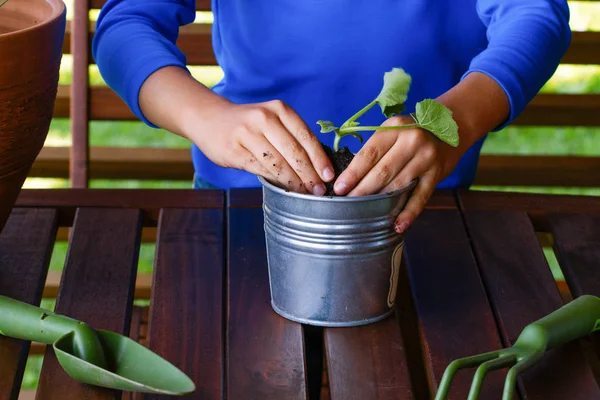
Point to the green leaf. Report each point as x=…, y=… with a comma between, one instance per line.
x=396, y=84
x=437, y=119
x=326, y=126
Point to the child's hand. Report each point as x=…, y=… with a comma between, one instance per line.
x=391, y=159
x=267, y=139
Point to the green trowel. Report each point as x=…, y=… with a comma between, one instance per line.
x=95, y=357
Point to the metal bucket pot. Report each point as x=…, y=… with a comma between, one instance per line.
x=333, y=261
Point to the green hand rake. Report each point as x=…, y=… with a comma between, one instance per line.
x=572, y=321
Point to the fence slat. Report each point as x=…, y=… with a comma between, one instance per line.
x=79, y=105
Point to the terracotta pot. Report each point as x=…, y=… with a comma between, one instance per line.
x=31, y=39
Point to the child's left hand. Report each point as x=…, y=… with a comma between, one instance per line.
x=391, y=159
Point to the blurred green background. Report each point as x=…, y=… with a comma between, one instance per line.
x=585, y=15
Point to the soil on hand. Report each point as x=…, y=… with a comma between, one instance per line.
x=340, y=160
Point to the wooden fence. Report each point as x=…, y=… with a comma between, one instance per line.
x=83, y=103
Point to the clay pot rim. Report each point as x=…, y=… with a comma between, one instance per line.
x=59, y=9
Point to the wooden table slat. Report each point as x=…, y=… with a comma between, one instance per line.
x=522, y=290
x=25, y=251
x=97, y=287
x=577, y=248
x=368, y=362
x=150, y=201
x=528, y=202
x=186, y=317
x=264, y=351
x=454, y=316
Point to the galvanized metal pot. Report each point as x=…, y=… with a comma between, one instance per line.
x=333, y=261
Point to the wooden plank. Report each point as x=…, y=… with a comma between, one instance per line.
x=577, y=248
x=136, y=321
x=244, y=198
x=119, y=163
x=143, y=285
x=561, y=110
x=194, y=40
x=543, y=110
x=79, y=105
x=25, y=250
x=148, y=235
x=96, y=288
x=572, y=171
x=252, y=198
x=368, y=362
x=584, y=48
x=201, y=5
x=27, y=395
x=522, y=290
x=149, y=201
x=535, y=204
x=62, y=103
x=176, y=164
x=454, y=316
x=264, y=351
x=189, y=276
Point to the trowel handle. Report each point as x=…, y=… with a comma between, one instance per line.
x=24, y=321
x=572, y=321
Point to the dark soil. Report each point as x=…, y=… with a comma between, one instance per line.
x=340, y=160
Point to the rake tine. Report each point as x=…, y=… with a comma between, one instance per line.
x=511, y=378
x=497, y=363
x=461, y=363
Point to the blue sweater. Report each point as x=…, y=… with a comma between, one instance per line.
x=327, y=58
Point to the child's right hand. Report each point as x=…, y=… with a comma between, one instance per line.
x=267, y=139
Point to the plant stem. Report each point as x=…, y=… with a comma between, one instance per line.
x=377, y=128
x=361, y=112
x=3, y=3
x=336, y=142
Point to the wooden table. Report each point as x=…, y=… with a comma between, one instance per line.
x=473, y=276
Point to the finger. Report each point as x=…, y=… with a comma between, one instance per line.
x=416, y=202
x=272, y=161
x=382, y=174
x=295, y=156
x=416, y=167
x=319, y=160
x=248, y=162
x=367, y=157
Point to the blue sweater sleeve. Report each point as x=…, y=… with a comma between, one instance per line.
x=526, y=41
x=134, y=38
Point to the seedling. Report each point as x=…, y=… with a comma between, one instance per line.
x=429, y=114
x=3, y=3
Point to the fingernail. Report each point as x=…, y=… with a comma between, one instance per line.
x=319, y=190
x=328, y=174
x=340, y=187
x=401, y=226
